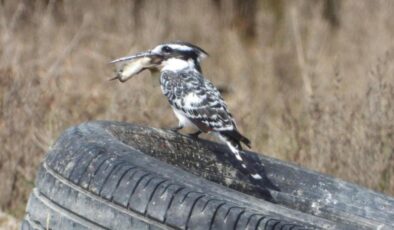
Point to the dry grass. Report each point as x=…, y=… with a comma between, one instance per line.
x=8, y=222
x=315, y=90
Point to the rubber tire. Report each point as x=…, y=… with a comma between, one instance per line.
x=97, y=182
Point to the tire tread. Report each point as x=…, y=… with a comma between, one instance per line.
x=108, y=189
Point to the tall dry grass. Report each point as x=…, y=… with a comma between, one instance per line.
x=307, y=81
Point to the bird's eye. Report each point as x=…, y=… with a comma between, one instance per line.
x=166, y=49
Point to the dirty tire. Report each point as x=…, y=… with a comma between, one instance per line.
x=91, y=180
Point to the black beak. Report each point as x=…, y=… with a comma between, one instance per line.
x=132, y=57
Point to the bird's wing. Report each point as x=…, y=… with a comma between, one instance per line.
x=199, y=100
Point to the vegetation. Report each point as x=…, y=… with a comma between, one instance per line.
x=311, y=82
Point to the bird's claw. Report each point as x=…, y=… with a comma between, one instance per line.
x=175, y=129
x=195, y=135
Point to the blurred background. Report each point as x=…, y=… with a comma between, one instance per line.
x=311, y=82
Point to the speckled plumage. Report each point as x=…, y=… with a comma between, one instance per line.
x=195, y=100
x=193, y=95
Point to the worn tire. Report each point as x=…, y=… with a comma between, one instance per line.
x=92, y=180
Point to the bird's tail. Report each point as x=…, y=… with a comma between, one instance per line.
x=248, y=165
x=236, y=137
x=233, y=140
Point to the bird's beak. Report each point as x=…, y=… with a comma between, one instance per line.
x=127, y=67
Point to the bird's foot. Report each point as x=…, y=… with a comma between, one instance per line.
x=176, y=129
x=195, y=135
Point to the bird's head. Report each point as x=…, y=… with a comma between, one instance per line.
x=172, y=56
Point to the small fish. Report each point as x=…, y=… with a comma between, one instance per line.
x=127, y=68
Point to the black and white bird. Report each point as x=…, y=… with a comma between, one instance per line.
x=195, y=100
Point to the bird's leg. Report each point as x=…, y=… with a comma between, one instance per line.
x=195, y=134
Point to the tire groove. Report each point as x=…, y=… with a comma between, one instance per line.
x=238, y=218
x=187, y=194
x=290, y=225
x=206, y=204
x=166, y=188
x=95, y=171
x=120, y=179
x=273, y=226
x=115, y=168
x=214, y=214
x=84, y=155
x=149, y=180
x=75, y=166
x=91, y=179
x=229, y=210
x=131, y=176
x=135, y=187
x=191, y=210
x=151, y=195
x=250, y=218
x=259, y=221
x=170, y=203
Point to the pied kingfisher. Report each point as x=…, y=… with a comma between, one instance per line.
x=195, y=100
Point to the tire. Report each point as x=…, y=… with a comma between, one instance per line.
x=90, y=179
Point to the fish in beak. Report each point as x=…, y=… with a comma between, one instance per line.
x=127, y=67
